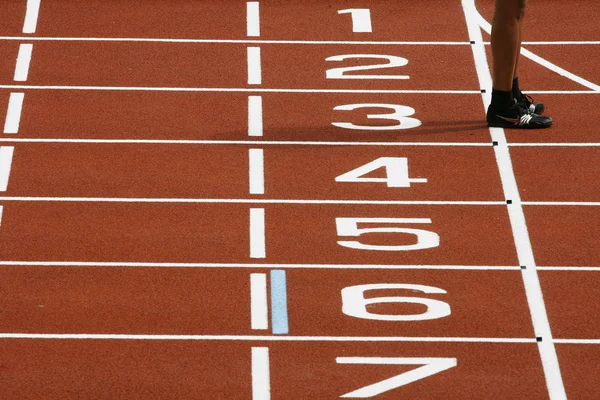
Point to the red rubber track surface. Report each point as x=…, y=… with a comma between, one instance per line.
x=128, y=233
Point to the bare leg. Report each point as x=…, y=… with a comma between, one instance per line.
x=521, y=19
x=506, y=41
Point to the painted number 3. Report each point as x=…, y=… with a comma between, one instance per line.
x=401, y=114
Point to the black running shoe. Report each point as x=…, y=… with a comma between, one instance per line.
x=517, y=117
x=531, y=106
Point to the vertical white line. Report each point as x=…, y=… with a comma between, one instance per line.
x=257, y=233
x=254, y=67
x=253, y=18
x=23, y=61
x=6, y=157
x=31, y=16
x=13, y=113
x=259, y=311
x=261, y=375
x=1, y=211
x=257, y=171
x=255, y=116
x=533, y=290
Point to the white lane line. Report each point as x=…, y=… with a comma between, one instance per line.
x=256, y=171
x=486, y=26
x=275, y=338
x=255, y=116
x=259, y=311
x=248, y=201
x=254, y=66
x=274, y=41
x=253, y=18
x=554, y=144
x=525, y=255
x=6, y=157
x=31, y=16
x=240, y=90
x=23, y=61
x=127, y=264
x=257, y=233
x=232, y=41
x=1, y=213
x=577, y=341
x=13, y=113
x=562, y=203
x=261, y=375
x=361, y=19
x=571, y=269
x=241, y=142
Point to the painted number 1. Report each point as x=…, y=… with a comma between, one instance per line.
x=361, y=19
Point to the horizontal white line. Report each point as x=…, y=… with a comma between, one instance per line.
x=289, y=201
x=237, y=41
x=239, y=142
x=554, y=144
x=265, y=41
x=570, y=269
x=128, y=264
x=238, y=90
x=248, y=201
x=562, y=203
x=278, y=338
x=577, y=341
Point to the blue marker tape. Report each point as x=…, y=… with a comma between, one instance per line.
x=279, y=312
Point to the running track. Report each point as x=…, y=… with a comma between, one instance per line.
x=201, y=201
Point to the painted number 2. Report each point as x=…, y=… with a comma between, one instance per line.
x=340, y=73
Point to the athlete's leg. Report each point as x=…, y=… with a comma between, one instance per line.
x=522, y=6
x=506, y=41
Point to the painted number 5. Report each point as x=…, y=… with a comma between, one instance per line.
x=400, y=114
x=349, y=227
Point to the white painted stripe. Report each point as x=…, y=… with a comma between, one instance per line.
x=241, y=142
x=533, y=290
x=253, y=18
x=23, y=61
x=6, y=157
x=562, y=203
x=577, y=341
x=486, y=26
x=554, y=144
x=237, y=90
x=236, y=41
x=570, y=269
x=1, y=212
x=257, y=233
x=127, y=264
x=259, y=311
x=275, y=338
x=255, y=116
x=256, y=171
x=361, y=19
x=31, y=16
x=13, y=113
x=261, y=375
x=254, y=66
x=260, y=41
x=249, y=201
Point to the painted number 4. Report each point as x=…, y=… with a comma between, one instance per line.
x=396, y=173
